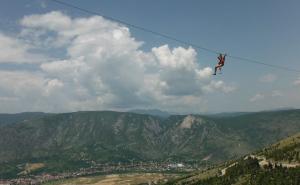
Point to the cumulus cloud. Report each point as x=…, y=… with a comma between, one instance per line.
x=179, y=58
x=268, y=78
x=53, y=21
x=220, y=86
x=16, y=51
x=104, y=67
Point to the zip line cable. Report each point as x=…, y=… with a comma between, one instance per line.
x=170, y=37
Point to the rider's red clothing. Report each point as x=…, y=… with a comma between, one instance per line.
x=221, y=60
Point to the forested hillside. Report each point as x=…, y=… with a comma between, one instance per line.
x=277, y=164
x=72, y=140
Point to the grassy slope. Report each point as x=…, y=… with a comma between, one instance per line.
x=116, y=179
x=249, y=171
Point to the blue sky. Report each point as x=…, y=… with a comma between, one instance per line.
x=260, y=30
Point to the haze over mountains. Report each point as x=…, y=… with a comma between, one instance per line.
x=71, y=140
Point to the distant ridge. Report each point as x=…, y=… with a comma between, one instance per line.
x=19, y=117
x=233, y=114
x=153, y=112
x=280, y=109
x=228, y=114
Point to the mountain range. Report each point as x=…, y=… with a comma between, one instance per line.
x=69, y=141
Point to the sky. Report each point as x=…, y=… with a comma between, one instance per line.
x=58, y=59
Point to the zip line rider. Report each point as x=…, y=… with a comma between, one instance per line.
x=220, y=63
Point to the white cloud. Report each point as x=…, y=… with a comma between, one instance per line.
x=297, y=81
x=104, y=67
x=19, y=89
x=16, y=51
x=276, y=93
x=220, y=86
x=268, y=78
x=53, y=21
x=52, y=85
x=176, y=58
x=261, y=96
x=257, y=97
x=204, y=73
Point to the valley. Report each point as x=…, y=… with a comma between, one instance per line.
x=74, y=145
